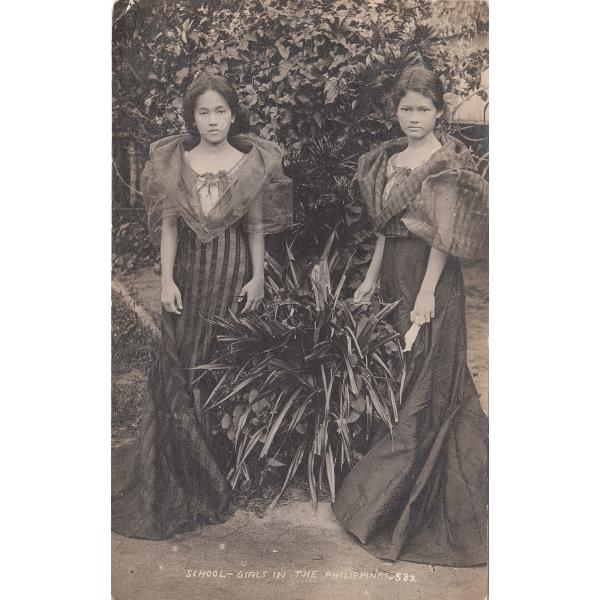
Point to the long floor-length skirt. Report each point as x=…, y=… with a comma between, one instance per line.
x=168, y=478
x=421, y=494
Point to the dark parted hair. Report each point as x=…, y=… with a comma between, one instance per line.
x=421, y=80
x=217, y=83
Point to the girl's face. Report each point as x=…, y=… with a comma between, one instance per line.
x=213, y=117
x=417, y=115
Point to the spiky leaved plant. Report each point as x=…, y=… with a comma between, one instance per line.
x=300, y=382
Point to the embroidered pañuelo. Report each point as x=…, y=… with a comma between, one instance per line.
x=257, y=189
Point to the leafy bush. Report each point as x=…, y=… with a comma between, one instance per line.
x=300, y=383
x=131, y=245
x=302, y=68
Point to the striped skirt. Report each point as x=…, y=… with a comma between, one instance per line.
x=168, y=478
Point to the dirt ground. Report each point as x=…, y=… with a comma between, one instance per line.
x=293, y=552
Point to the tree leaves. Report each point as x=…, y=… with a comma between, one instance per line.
x=181, y=75
x=331, y=90
x=284, y=51
x=329, y=54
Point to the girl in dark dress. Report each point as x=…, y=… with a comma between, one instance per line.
x=211, y=196
x=420, y=493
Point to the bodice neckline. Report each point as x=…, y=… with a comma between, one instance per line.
x=213, y=175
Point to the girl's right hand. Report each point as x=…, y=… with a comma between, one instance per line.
x=170, y=298
x=364, y=291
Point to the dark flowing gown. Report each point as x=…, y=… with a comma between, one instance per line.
x=421, y=493
x=168, y=478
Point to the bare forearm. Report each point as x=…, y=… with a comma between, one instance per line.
x=168, y=248
x=256, y=242
x=424, y=309
x=375, y=266
x=435, y=266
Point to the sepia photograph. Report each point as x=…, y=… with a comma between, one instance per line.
x=266, y=337
x=299, y=299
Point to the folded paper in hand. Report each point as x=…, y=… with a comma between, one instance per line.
x=410, y=337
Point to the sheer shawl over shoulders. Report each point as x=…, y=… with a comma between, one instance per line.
x=444, y=201
x=256, y=190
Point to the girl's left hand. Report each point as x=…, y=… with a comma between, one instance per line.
x=424, y=309
x=254, y=291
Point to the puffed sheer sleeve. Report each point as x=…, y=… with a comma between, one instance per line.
x=451, y=213
x=272, y=210
x=157, y=203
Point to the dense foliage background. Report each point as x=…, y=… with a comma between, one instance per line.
x=313, y=76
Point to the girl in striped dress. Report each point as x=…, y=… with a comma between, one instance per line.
x=211, y=196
